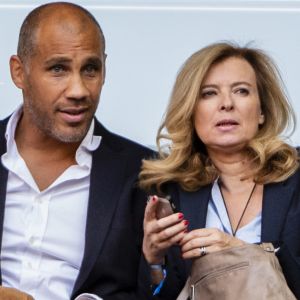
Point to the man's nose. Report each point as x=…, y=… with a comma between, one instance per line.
x=76, y=88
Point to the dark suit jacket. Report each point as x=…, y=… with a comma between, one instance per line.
x=114, y=220
x=280, y=225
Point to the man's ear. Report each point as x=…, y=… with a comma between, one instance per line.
x=104, y=68
x=17, y=71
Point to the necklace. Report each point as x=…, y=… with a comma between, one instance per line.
x=244, y=210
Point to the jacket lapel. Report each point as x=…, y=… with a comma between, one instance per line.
x=194, y=206
x=276, y=202
x=105, y=186
x=3, y=181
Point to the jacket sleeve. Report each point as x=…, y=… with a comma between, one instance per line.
x=176, y=277
x=289, y=253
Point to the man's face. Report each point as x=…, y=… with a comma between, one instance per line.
x=62, y=81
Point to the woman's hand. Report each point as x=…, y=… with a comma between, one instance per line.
x=160, y=235
x=211, y=238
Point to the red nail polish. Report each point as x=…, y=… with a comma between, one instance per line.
x=180, y=216
x=186, y=222
x=154, y=198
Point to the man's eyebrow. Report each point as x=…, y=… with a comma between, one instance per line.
x=94, y=60
x=57, y=60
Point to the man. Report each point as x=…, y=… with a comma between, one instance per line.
x=70, y=209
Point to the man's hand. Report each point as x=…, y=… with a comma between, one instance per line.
x=8, y=293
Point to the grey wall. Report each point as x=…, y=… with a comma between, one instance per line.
x=147, y=41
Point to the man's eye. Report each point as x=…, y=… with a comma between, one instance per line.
x=57, y=69
x=91, y=70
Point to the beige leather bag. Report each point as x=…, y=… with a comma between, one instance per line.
x=243, y=273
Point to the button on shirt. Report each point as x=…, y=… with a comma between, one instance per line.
x=44, y=231
x=217, y=218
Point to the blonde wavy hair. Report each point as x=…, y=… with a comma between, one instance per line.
x=186, y=161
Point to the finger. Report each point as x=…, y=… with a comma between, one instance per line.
x=172, y=231
x=174, y=240
x=155, y=252
x=211, y=244
x=195, y=243
x=200, y=251
x=170, y=220
x=197, y=233
x=197, y=252
x=150, y=211
x=157, y=226
x=196, y=239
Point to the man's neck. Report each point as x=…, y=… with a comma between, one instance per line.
x=30, y=138
x=45, y=157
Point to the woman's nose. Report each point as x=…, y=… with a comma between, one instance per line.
x=226, y=102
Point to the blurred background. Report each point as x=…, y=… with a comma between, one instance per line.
x=147, y=42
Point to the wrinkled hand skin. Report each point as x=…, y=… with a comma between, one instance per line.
x=211, y=238
x=7, y=293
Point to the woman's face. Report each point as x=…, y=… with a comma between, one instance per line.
x=228, y=113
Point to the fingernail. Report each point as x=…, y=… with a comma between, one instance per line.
x=180, y=216
x=186, y=222
x=154, y=198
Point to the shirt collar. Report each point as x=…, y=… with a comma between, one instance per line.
x=11, y=126
x=91, y=142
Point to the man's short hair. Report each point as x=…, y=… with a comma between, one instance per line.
x=26, y=44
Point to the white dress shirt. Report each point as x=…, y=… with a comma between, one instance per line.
x=44, y=231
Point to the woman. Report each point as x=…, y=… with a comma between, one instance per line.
x=231, y=176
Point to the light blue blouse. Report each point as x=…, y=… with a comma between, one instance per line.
x=217, y=218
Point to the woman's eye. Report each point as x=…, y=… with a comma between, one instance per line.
x=242, y=91
x=207, y=94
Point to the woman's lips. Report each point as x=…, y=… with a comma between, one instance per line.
x=227, y=125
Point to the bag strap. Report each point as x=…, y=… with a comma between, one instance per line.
x=268, y=247
x=184, y=294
